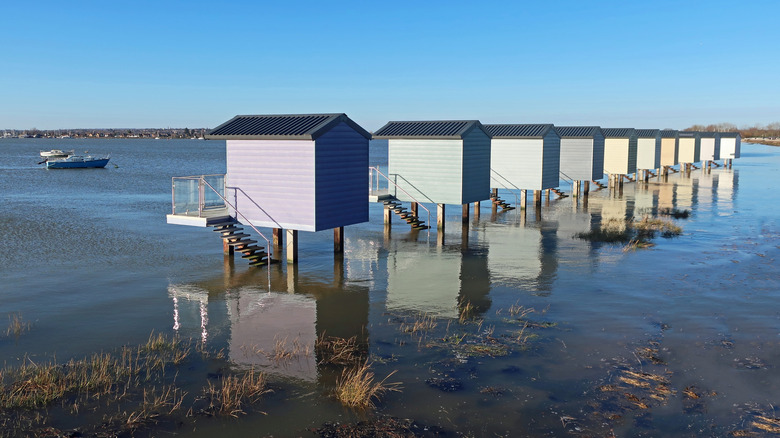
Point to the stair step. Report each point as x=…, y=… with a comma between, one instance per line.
x=235, y=236
x=249, y=249
x=227, y=229
x=241, y=243
x=255, y=256
x=420, y=227
x=262, y=262
x=221, y=225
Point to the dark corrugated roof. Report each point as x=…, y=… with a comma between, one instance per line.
x=688, y=134
x=708, y=134
x=428, y=129
x=617, y=132
x=518, y=131
x=669, y=133
x=577, y=131
x=647, y=133
x=730, y=134
x=281, y=127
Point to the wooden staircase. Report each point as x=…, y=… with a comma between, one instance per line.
x=500, y=202
x=559, y=193
x=410, y=218
x=599, y=185
x=628, y=178
x=232, y=234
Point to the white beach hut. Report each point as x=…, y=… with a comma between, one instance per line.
x=582, y=154
x=620, y=152
x=648, y=150
x=689, y=148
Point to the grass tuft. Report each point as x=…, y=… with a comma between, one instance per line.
x=229, y=397
x=17, y=325
x=357, y=388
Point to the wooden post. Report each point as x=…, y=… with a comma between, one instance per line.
x=477, y=206
x=388, y=215
x=278, y=241
x=494, y=206
x=440, y=217
x=413, y=209
x=465, y=216
x=575, y=189
x=538, y=198
x=523, y=199
x=730, y=163
x=227, y=249
x=585, y=188
x=292, y=246
x=338, y=240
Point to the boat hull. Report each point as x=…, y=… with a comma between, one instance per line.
x=91, y=164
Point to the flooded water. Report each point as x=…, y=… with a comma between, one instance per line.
x=524, y=329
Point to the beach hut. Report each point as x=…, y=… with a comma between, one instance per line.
x=668, y=149
x=620, y=149
x=582, y=154
x=302, y=172
x=710, y=147
x=526, y=157
x=648, y=150
x=438, y=162
x=730, y=146
x=688, y=148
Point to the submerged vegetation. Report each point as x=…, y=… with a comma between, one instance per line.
x=125, y=390
x=634, y=233
x=17, y=325
x=357, y=388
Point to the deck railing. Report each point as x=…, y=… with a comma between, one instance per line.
x=214, y=199
x=375, y=170
x=502, y=177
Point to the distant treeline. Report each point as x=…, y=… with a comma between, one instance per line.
x=771, y=130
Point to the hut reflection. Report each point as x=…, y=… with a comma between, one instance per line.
x=273, y=331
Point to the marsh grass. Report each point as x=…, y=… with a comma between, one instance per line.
x=635, y=234
x=229, y=397
x=130, y=387
x=339, y=351
x=422, y=323
x=675, y=213
x=17, y=325
x=357, y=387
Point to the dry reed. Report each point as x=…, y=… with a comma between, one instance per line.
x=357, y=388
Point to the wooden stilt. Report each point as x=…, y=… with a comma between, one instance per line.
x=494, y=206
x=575, y=189
x=338, y=240
x=388, y=216
x=477, y=206
x=278, y=239
x=414, y=208
x=464, y=237
x=227, y=249
x=440, y=217
x=585, y=188
x=291, y=244
x=523, y=199
x=465, y=215
x=538, y=198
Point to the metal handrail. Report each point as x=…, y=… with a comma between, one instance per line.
x=379, y=172
x=267, y=242
x=566, y=178
x=504, y=185
x=239, y=189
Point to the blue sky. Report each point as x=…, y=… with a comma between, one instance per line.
x=660, y=64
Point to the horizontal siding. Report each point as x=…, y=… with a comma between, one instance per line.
x=577, y=158
x=476, y=167
x=707, y=148
x=669, y=152
x=687, y=150
x=551, y=161
x=616, y=156
x=429, y=170
x=279, y=176
x=518, y=161
x=648, y=153
x=341, y=169
x=728, y=148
